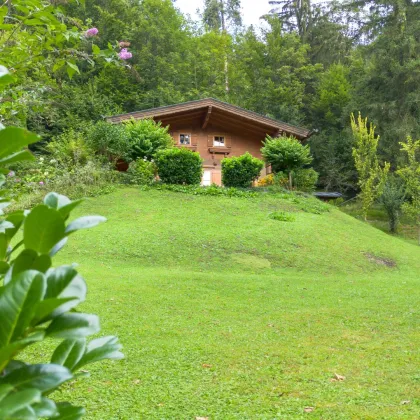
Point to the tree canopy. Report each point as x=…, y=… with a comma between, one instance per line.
x=309, y=63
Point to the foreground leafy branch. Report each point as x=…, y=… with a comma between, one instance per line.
x=39, y=301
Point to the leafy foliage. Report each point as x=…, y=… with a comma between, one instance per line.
x=305, y=179
x=241, y=171
x=38, y=301
x=179, y=166
x=146, y=138
x=392, y=199
x=69, y=149
x=109, y=140
x=410, y=173
x=285, y=154
x=141, y=172
x=372, y=176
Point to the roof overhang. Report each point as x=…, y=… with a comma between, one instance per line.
x=214, y=110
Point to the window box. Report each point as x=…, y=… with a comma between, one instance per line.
x=219, y=149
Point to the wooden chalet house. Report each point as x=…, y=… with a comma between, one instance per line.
x=216, y=129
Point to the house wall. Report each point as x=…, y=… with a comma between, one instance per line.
x=202, y=142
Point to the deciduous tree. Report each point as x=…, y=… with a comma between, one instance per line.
x=372, y=176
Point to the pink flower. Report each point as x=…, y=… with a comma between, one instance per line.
x=123, y=44
x=91, y=32
x=41, y=182
x=11, y=173
x=124, y=54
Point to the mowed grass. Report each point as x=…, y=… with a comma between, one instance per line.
x=226, y=313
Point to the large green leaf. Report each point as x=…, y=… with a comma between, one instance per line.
x=8, y=351
x=58, y=246
x=66, y=210
x=100, y=349
x=43, y=377
x=18, y=300
x=65, y=282
x=5, y=390
x=69, y=412
x=29, y=259
x=73, y=325
x=84, y=222
x=16, y=157
x=15, y=402
x=56, y=201
x=50, y=308
x=13, y=139
x=45, y=408
x=4, y=244
x=43, y=228
x=69, y=353
x=16, y=218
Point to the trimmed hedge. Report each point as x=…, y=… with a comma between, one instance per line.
x=240, y=171
x=179, y=166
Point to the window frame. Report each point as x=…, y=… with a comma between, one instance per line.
x=185, y=134
x=219, y=136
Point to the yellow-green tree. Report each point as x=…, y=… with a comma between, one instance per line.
x=410, y=173
x=372, y=176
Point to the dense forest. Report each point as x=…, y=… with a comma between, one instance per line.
x=311, y=64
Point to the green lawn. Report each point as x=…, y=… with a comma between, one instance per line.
x=226, y=313
x=378, y=218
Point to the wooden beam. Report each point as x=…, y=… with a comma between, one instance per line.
x=207, y=118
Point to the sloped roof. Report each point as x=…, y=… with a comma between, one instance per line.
x=185, y=107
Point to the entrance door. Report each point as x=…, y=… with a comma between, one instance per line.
x=206, y=181
x=216, y=177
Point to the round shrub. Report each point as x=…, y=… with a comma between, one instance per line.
x=285, y=154
x=305, y=179
x=146, y=137
x=141, y=172
x=110, y=140
x=240, y=171
x=179, y=166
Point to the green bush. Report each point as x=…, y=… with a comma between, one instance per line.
x=285, y=154
x=305, y=179
x=146, y=137
x=38, y=301
x=179, y=166
x=392, y=199
x=109, y=140
x=241, y=171
x=69, y=149
x=141, y=172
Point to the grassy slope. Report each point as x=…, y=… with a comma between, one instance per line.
x=227, y=314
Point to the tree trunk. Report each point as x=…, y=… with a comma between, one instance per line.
x=290, y=181
x=224, y=31
x=226, y=75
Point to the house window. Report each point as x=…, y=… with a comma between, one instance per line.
x=219, y=141
x=185, y=139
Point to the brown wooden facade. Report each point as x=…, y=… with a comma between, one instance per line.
x=216, y=130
